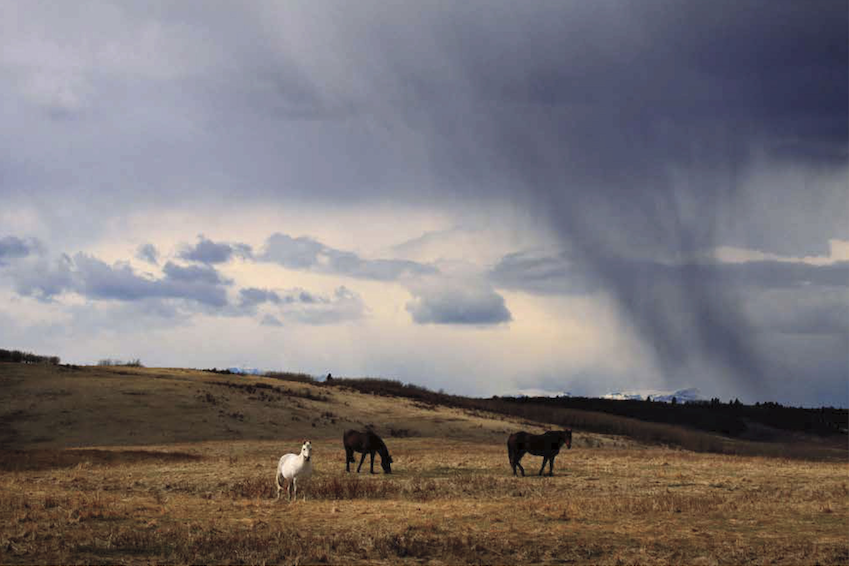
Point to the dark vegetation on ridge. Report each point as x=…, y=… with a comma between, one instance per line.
x=732, y=428
x=20, y=357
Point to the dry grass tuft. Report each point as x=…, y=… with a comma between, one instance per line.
x=445, y=502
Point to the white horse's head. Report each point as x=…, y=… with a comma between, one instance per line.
x=306, y=450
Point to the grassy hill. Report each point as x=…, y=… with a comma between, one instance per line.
x=59, y=406
x=105, y=465
x=48, y=406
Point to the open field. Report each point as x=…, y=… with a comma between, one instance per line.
x=125, y=465
x=451, y=501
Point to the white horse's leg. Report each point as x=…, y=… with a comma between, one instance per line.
x=288, y=490
x=295, y=483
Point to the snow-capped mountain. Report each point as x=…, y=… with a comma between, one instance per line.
x=538, y=393
x=681, y=395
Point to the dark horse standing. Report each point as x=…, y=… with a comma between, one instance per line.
x=546, y=445
x=368, y=443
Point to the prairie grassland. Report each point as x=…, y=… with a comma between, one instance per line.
x=447, y=501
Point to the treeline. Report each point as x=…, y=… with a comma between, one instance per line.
x=690, y=426
x=713, y=416
x=19, y=357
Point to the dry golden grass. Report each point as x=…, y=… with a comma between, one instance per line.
x=59, y=407
x=447, y=501
x=135, y=465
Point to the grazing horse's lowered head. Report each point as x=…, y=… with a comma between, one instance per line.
x=386, y=464
x=366, y=443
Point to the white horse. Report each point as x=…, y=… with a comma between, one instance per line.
x=292, y=467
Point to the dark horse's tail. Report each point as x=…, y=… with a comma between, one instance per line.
x=510, y=449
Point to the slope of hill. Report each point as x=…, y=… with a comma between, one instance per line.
x=54, y=406
x=161, y=466
x=43, y=406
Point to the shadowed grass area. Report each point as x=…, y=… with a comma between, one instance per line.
x=32, y=460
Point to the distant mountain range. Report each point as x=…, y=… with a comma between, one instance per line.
x=681, y=396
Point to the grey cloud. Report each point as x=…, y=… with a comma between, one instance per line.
x=558, y=274
x=270, y=320
x=43, y=279
x=12, y=247
x=301, y=296
x=193, y=274
x=252, y=296
x=693, y=308
x=644, y=129
x=306, y=253
x=541, y=273
x=300, y=306
x=294, y=253
x=95, y=279
x=781, y=274
x=207, y=251
x=148, y=253
x=801, y=311
x=454, y=303
x=306, y=308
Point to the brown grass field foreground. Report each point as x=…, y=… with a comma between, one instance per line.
x=446, y=502
x=104, y=465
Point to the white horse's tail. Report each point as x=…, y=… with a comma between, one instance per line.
x=277, y=478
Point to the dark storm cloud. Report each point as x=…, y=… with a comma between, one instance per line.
x=541, y=274
x=825, y=318
x=557, y=274
x=734, y=300
x=638, y=130
x=148, y=253
x=207, y=251
x=306, y=253
x=633, y=128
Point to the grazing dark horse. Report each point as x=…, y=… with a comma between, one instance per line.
x=368, y=443
x=546, y=445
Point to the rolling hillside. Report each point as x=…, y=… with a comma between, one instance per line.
x=105, y=465
x=45, y=406
x=60, y=406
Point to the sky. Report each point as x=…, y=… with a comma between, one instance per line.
x=486, y=197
